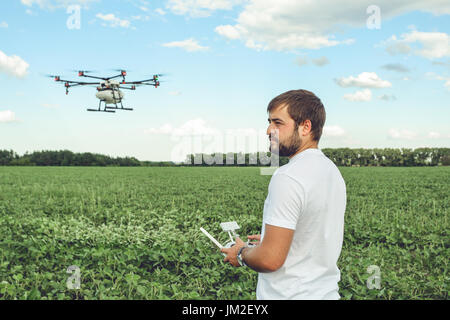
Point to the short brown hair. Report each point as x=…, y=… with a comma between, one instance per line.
x=302, y=105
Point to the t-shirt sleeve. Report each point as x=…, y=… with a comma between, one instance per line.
x=286, y=201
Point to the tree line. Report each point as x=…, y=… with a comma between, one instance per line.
x=346, y=157
x=340, y=156
x=68, y=158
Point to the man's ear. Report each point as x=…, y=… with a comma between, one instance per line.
x=305, y=128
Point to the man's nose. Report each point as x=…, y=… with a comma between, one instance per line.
x=270, y=129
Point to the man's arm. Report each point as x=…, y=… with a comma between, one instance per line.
x=287, y=197
x=269, y=255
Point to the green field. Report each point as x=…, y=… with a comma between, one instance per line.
x=134, y=232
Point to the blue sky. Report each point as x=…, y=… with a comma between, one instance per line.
x=225, y=60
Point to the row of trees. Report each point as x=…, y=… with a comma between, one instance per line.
x=403, y=157
x=340, y=156
x=63, y=158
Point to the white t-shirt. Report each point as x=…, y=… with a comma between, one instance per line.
x=307, y=195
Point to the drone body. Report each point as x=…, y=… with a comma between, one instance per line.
x=108, y=90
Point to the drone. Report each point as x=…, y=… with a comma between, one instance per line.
x=108, y=89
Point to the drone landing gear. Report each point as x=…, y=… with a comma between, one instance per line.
x=117, y=108
x=99, y=108
x=109, y=109
x=96, y=110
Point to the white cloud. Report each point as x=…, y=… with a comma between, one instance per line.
x=29, y=3
x=3, y=24
x=434, y=76
x=191, y=127
x=387, y=97
x=396, y=67
x=229, y=32
x=141, y=18
x=254, y=45
x=13, y=65
x=164, y=129
x=271, y=40
x=333, y=131
x=289, y=24
x=362, y=95
x=175, y=93
x=247, y=132
x=199, y=8
x=434, y=135
x=160, y=11
x=401, y=134
x=301, y=61
x=363, y=80
x=113, y=20
x=320, y=62
x=441, y=63
x=189, y=45
x=52, y=4
x=437, y=135
x=431, y=44
x=7, y=116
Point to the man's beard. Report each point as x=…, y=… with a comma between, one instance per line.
x=289, y=148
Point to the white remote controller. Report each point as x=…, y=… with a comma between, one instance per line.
x=217, y=243
x=230, y=227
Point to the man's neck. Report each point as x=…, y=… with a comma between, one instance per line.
x=310, y=145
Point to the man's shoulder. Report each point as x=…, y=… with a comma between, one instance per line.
x=284, y=176
x=310, y=166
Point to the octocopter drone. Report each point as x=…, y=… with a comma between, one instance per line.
x=108, y=90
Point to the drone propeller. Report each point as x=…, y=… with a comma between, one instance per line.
x=156, y=84
x=56, y=78
x=123, y=72
x=84, y=71
x=158, y=75
x=150, y=83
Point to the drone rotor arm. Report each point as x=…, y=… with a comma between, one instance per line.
x=138, y=82
x=94, y=77
x=57, y=79
x=76, y=83
x=128, y=88
x=113, y=77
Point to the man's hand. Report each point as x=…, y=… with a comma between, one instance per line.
x=232, y=252
x=256, y=237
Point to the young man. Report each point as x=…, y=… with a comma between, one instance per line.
x=303, y=222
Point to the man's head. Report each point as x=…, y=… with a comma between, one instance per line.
x=299, y=117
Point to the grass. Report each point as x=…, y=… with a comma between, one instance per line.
x=133, y=232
